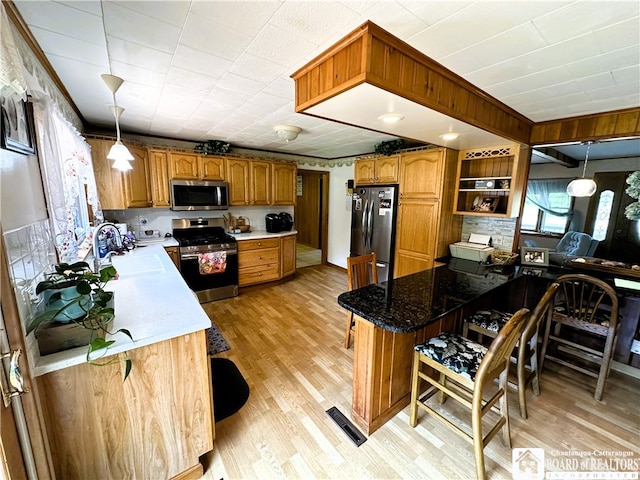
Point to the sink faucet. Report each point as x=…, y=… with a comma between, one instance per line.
x=104, y=243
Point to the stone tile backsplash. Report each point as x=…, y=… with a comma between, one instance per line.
x=502, y=230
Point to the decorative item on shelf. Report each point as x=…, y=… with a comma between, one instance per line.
x=485, y=203
x=535, y=257
x=504, y=184
x=632, y=211
x=499, y=257
x=76, y=311
x=389, y=147
x=582, y=187
x=485, y=184
x=288, y=133
x=212, y=146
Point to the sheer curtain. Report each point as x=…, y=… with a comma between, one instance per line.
x=539, y=193
x=11, y=78
x=68, y=178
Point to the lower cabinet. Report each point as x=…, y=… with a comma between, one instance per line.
x=266, y=259
x=174, y=254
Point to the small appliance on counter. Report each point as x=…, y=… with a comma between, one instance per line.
x=477, y=248
x=278, y=222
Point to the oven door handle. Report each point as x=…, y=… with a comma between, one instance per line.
x=188, y=256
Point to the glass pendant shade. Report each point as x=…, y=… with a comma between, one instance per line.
x=581, y=187
x=122, y=165
x=119, y=152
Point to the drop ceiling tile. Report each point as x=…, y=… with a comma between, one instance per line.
x=281, y=87
x=630, y=75
x=175, y=102
x=232, y=98
x=257, y=69
x=209, y=36
x=191, y=82
x=528, y=83
x=393, y=18
x=276, y=45
x=578, y=18
x=70, y=47
x=248, y=17
x=605, y=62
x=200, y=62
x=83, y=86
x=609, y=92
x=134, y=74
x=140, y=29
x=172, y=12
x=622, y=35
x=432, y=12
x=92, y=7
x=244, y=85
x=138, y=55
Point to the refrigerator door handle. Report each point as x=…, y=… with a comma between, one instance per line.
x=369, y=221
x=365, y=233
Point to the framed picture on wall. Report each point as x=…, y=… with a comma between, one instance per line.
x=17, y=125
x=535, y=257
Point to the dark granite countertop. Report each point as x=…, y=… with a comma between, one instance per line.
x=407, y=304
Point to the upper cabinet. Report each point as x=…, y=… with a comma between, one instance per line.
x=284, y=183
x=137, y=186
x=260, y=182
x=421, y=174
x=238, y=177
x=189, y=166
x=490, y=181
x=376, y=170
x=159, y=170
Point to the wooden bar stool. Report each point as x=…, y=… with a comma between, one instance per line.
x=585, y=323
x=361, y=271
x=489, y=322
x=465, y=369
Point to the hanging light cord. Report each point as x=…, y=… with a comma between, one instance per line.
x=584, y=168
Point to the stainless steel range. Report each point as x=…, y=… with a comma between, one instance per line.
x=208, y=257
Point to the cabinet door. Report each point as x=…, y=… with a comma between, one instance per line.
x=421, y=174
x=417, y=234
x=159, y=169
x=211, y=168
x=238, y=178
x=386, y=170
x=137, y=187
x=109, y=181
x=174, y=254
x=288, y=253
x=363, y=171
x=183, y=165
x=284, y=183
x=260, y=176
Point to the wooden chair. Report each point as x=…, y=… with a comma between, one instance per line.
x=361, y=271
x=489, y=322
x=465, y=368
x=584, y=321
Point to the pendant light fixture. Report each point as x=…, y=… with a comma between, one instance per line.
x=582, y=187
x=120, y=154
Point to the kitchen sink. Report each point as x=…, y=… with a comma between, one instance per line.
x=138, y=264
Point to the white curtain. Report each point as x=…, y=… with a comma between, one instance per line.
x=65, y=159
x=11, y=78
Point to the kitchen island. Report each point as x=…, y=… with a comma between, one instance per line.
x=158, y=422
x=394, y=316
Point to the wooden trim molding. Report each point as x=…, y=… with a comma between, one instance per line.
x=372, y=55
x=598, y=126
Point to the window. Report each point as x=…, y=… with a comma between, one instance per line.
x=547, y=207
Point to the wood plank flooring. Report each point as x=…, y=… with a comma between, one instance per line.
x=287, y=341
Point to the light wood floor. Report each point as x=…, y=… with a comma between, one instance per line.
x=287, y=341
x=307, y=256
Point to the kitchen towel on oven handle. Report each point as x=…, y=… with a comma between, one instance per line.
x=212, y=262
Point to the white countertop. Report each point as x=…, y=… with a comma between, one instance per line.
x=152, y=301
x=254, y=235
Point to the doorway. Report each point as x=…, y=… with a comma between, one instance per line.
x=312, y=218
x=619, y=236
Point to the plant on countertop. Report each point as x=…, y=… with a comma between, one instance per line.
x=74, y=293
x=632, y=211
x=213, y=146
x=389, y=148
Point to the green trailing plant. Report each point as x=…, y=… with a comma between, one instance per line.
x=389, y=147
x=212, y=146
x=632, y=211
x=74, y=293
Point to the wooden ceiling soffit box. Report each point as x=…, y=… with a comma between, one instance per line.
x=371, y=55
x=614, y=124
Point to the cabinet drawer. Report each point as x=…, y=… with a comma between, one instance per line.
x=244, y=245
x=262, y=256
x=258, y=274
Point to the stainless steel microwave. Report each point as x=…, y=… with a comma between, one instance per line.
x=199, y=195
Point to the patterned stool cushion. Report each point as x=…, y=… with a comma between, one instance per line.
x=492, y=320
x=455, y=352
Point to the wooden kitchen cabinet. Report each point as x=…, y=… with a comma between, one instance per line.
x=159, y=168
x=237, y=174
x=499, y=173
x=288, y=255
x=260, y=182
x=425, y=225
x=174, y=255
x=284, y=179
x=189, y=166
x=258, y=261
x=137, y=186
x=376, y=170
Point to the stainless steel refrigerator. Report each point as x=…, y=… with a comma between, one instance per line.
x=373, y=225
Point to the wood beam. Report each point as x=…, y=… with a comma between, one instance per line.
x=552, y=155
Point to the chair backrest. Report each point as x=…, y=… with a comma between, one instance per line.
x=361, y=271
x=539, y=311
x=582, y=299
x=499, y=354
x=576, y=243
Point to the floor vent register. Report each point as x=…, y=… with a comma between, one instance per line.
x=347, y=427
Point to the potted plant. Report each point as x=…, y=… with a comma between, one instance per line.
x=74, y=293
